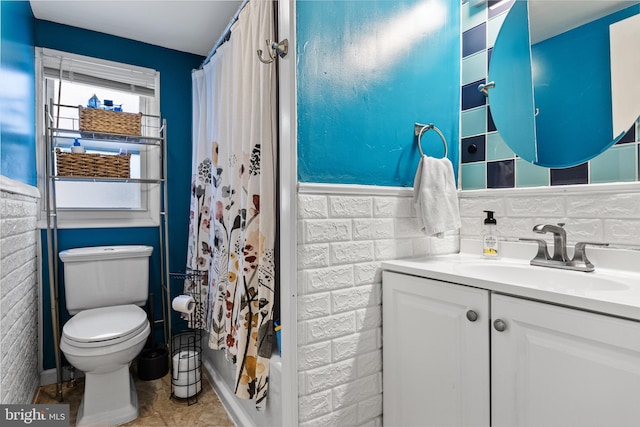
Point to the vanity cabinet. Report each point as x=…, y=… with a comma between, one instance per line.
x=459, y=355
x=557, y=366
x=435, y=360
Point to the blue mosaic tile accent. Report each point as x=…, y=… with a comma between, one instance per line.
x=474, y=40
x=501, y=174
x=630, y=136
x=473, y=149
x=471, y=96
x=570, y=176
x=491, y=126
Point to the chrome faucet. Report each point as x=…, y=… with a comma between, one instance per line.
x=580, y=262
x=559, y=239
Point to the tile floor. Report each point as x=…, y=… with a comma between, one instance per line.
x=156, y=408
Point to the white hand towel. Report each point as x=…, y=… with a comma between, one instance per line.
x=435, y=197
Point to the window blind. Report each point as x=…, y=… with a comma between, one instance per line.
x=92, y=71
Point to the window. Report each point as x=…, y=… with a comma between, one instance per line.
x=67, y=81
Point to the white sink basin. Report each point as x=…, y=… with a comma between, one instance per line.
x=613, y=288
x=551, y=279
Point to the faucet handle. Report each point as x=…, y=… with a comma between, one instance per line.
x=543, y=253
x=580, y=256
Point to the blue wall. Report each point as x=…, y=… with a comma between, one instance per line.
x=17, y=93
x=366, y=72
x=175, y=105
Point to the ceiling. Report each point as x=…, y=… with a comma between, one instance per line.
x=185, y=25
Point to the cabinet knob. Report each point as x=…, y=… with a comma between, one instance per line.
x=472, y=316
x=500, y=325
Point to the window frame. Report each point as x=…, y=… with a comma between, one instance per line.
x=149, y=213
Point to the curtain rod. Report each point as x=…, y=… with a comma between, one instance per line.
x=225, y=34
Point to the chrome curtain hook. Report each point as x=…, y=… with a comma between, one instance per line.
x=275, y=49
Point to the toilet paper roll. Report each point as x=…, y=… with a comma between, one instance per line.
x=186, y=367
x=186, y=391
x=183, y=304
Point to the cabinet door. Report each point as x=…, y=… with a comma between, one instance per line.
x=435, y=360
x=556, y=366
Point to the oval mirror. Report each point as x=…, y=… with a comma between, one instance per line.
x=566, y=83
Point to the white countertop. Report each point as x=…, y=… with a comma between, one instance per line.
x=613, y=288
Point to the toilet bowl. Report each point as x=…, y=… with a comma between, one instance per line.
x=102, y=342
x=104, y=289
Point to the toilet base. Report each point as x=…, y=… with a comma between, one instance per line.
x=106, y=402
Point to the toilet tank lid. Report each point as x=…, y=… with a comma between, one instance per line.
x=105, y=252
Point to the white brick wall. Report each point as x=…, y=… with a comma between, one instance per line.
x=344, y=232
x=606, y=213
x=18, y=292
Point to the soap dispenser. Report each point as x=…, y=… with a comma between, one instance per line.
x=76, y=147
x=490, y=240
x=94, y=102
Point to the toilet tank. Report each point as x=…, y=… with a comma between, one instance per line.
x=103, y=276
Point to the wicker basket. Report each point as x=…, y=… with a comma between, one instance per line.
x=106, y=121
x=93, y=165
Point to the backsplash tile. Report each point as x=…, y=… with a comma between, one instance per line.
x=500, y=174
x=471, y=16
x=474, y=67
x=471, y=96
x=474, y=122
x=474, y=40
x=474, y=176
x=530, y=175
x=497, y=149
x=493, y=28
x=491, y=126
x=630, y=136
x=473, y=149
x=605, y=215
x=617, y=164
x=480, y=27
x=569, y=176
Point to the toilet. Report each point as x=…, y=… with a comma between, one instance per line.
x=104, y=289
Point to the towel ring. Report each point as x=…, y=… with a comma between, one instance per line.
x=419, y=129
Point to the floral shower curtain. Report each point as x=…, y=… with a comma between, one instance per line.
x=232, y=226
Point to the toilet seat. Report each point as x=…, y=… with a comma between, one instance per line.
x=104, y=326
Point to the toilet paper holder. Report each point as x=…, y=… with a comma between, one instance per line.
x=186, y=345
